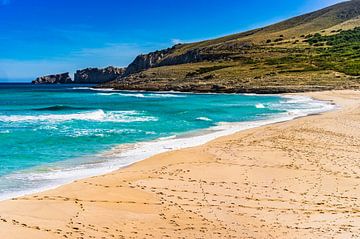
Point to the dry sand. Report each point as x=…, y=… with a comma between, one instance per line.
x=298, y=179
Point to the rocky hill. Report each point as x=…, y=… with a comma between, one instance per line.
x=284, y=57
x=97, y=76
x=63, y=78
x=85, y=76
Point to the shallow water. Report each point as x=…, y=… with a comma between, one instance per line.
x=52, y=134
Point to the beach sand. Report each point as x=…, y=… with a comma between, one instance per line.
x=297, y=179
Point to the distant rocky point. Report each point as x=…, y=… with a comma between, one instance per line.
x=96, y=75
x=63, y=78
x=85, y=76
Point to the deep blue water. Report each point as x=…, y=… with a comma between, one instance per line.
x=43, y=126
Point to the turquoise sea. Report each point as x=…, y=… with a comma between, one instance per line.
x=51, y=135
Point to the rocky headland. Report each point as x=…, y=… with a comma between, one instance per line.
x=63, y=78
x=84, y=76
x=97, y=76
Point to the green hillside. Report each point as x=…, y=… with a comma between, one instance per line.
x=316, y=51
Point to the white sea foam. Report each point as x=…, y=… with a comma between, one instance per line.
x=40, y=179
x=168, y=137
x=98, y=115
x=102, y=89
x=204, y=119
x=140, y=95
x=296, y=99
x=302, y=105
x=260, y=106
x=75, y=133
x=81, y=88
x=167, y=95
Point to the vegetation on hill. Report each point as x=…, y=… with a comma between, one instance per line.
x=344, y=37
x=339, y=52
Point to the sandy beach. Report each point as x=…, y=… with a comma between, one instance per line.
x=297, y=179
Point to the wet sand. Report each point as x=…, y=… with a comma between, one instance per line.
x=297, y=179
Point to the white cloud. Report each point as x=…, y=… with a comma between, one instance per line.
x=176, y=41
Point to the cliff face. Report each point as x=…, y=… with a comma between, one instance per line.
x=167, y=58
x=96, y=75
x=63, y=78
x=146, y=61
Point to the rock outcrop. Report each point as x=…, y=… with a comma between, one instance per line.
x=167, y=58
x=149, y=60
x=97, y=76
x=63, y=78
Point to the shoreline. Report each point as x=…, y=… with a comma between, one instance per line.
x=295, y=179
x=154, y=147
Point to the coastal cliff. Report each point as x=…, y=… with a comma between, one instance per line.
x=167, y=58
x=97, y=76
x=305, y=53
x=63, y=78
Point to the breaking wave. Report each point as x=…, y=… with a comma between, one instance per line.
x=204, y=119
x=98, y=115
x=141, y=95
x=260, y=106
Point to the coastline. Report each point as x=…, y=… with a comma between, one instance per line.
x=124, y=155
x=217, y=203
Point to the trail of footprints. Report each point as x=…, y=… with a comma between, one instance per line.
x=187, y=201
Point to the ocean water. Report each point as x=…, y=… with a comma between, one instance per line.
x=51, y=135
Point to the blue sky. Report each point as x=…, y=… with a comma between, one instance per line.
x=40, y=37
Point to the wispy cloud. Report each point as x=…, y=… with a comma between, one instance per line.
x=111, y=51
x=176, y=41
